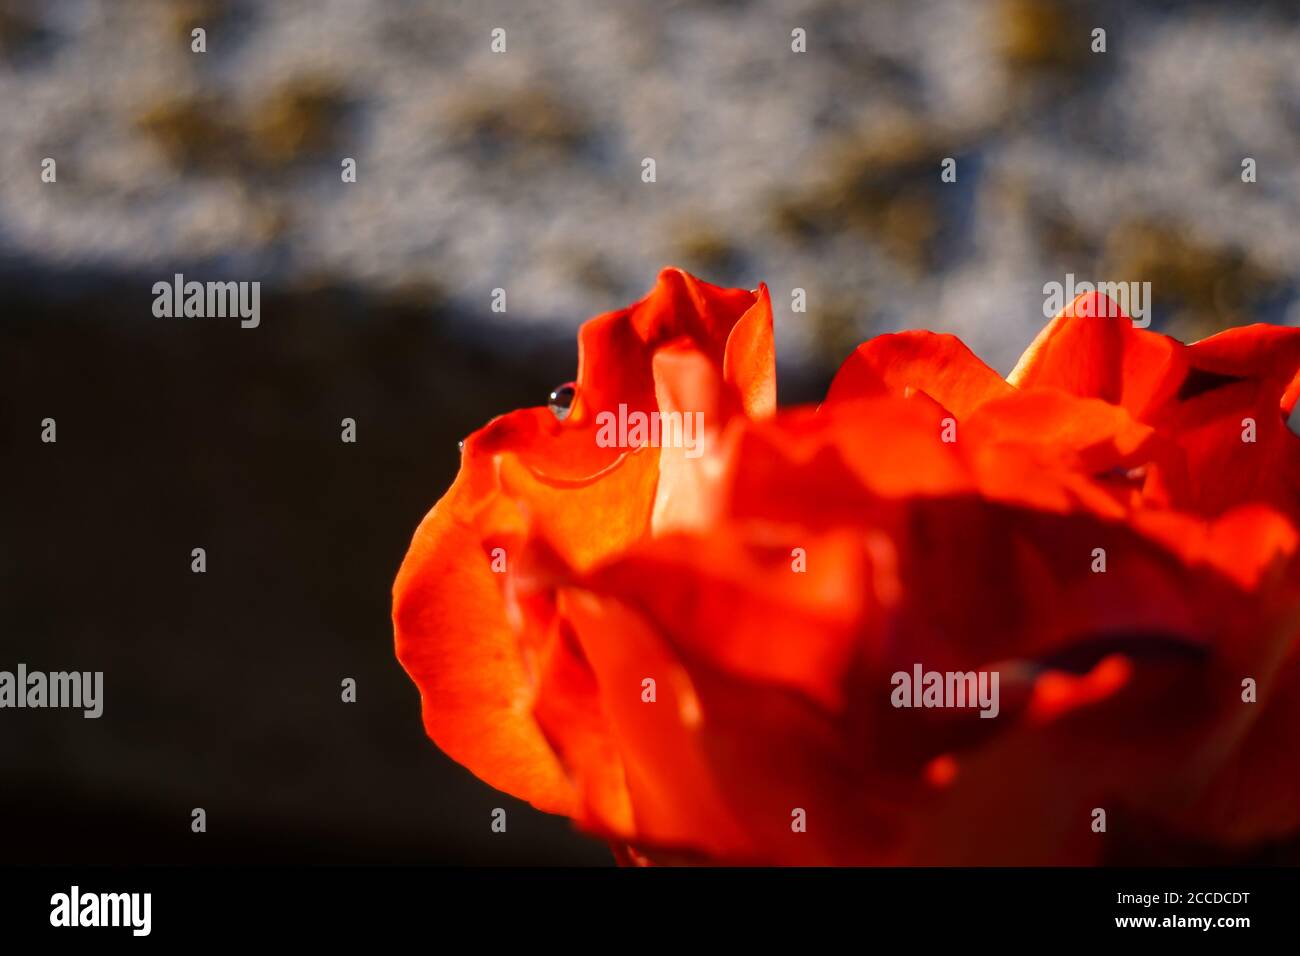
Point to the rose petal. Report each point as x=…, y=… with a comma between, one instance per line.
x=939, y=365
x=454, y=641
x=1092, y=349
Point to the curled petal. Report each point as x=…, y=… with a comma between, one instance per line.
x=1092, y=349
x=454, y=640
x=941, y=366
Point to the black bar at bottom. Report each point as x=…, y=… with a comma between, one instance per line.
x=550, y=906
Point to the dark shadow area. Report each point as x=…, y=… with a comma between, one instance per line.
x=222, y=689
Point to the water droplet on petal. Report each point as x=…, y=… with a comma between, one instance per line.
x=1293, y=422
x=460, y=446
x=561, y=401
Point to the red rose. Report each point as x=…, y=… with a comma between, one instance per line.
x=528, y=473
x=704, y=657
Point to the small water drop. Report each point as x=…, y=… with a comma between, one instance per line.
x=460, y=445
x=561, y=400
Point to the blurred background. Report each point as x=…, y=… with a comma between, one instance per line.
x=518, y=170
